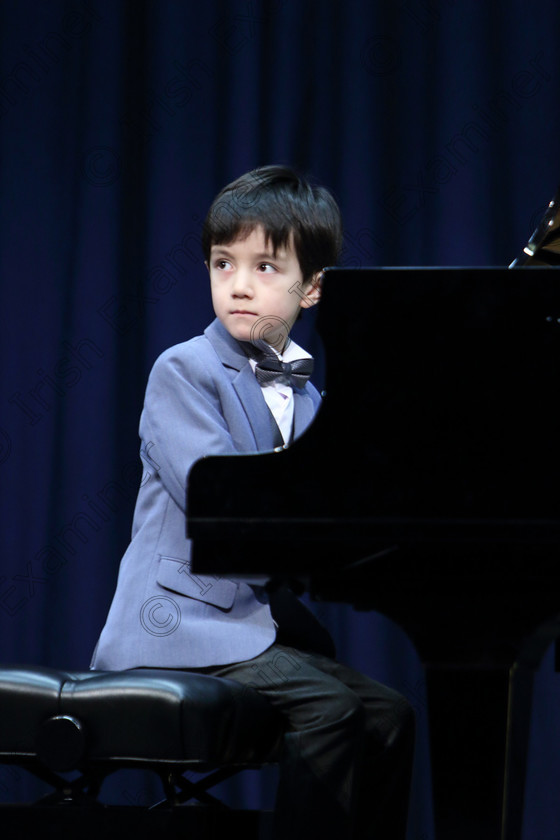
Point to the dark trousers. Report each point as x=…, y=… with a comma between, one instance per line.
x=348, y=749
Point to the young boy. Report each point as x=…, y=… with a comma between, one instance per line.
x=242, y=387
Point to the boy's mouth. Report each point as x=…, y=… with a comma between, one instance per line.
x=242, y=312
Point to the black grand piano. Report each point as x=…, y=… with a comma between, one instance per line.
x=427, y=489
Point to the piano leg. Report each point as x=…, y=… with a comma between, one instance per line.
x=468, y=719
x=519, y=729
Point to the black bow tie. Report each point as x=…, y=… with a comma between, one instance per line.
x=271, y=369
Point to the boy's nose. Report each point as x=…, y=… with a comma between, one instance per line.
x=242, y=285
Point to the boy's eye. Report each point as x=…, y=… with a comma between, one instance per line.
x=266, y=268
x=223, y=265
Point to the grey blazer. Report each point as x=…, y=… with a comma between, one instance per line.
x=202, y=398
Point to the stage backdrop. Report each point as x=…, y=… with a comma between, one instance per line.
x=435, y=124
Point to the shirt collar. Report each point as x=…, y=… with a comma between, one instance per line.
x=291, y=351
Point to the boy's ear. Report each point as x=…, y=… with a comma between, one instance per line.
x=312, y=291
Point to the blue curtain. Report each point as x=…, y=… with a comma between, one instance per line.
x=436, y=125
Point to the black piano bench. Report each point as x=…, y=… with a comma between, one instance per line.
x=72, y=730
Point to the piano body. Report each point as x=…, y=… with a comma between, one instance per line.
x=543, y=248
x=426, y=489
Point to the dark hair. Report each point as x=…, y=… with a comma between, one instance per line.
x=282, y=202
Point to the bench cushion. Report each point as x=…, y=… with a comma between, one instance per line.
x=136, y=716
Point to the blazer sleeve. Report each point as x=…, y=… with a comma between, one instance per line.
x=182, y=419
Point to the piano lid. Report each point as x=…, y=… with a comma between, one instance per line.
x=543, y=248
x=440, y=421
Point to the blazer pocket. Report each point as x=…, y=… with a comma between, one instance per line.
x=176, y=575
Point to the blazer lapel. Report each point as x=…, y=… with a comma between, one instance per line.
x=304, y=411
x=254, y=404
x=226, y=346
x=244, y=381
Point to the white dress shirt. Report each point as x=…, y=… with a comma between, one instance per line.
x=279, y=396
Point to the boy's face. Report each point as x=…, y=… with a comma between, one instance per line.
x=251, y=286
